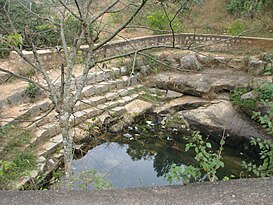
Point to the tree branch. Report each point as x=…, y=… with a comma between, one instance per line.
x=103, y=11
x=24, y=79
x=69, y=10
x=171, y=20
x=37, y=15
x=143, y=2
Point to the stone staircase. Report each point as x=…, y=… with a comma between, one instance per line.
x=103, y=101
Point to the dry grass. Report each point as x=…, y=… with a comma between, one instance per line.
x=212, y=17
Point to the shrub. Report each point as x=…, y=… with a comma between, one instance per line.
x=11, y=171
x=263, y=96
x=161, y=24
x=31, y=90
x=237, y=101
x=243, y=6
x=265, y=167
x=268, y=57
x=236, y=28
x=209, y=162
x=4, y=51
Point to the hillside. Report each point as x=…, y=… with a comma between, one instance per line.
x=208, y=16
x=212, y=17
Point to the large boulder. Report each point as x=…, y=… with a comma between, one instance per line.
x=202, y=83
x=190, y=62
x=221, y=118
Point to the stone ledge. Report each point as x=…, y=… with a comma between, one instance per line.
x=239, y=192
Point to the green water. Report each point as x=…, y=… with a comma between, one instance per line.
x=142, y=155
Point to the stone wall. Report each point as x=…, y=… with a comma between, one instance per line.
x=50, y=58
x=205, y=42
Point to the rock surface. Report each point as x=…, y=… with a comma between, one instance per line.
x=182, y=103
x=190, y=62
x=202, y=83
x=173, y=94
x=249, y=95
x=220, y=117
x=133, y=109
x=137, y=107
x=256, y=66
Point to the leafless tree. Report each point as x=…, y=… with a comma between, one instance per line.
x=86, y=15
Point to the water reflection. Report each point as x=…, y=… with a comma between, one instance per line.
x=112, y=161
x=141, y=159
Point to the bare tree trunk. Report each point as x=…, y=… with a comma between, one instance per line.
x=67, y=143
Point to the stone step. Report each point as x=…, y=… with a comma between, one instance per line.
x=51, y=152
x=47, y=131
x=92, y=102
x=50, y=146
x=110, y=96
x=48, y=126
x=106, y=86
x=19, y=97
x=93, y=110
x=54, y=143
x=24, y=112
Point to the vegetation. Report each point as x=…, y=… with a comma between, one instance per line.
x=28, y=26
x=4, y=51
x=160, y=23
x=15, y=161
x=269, y=67
x=236, y=28
x=84, y=180
x=208, y=162
x=263, y=98
x=150, y=97
x=245, y=103
x=194, y=17
x=31, y=90
x=265, y=168
x=74, y=25
x=244, y=7
x=72, y=30
x=91, y=178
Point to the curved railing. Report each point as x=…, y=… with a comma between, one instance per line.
x=190, y=41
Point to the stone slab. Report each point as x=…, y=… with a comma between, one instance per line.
x=181, y=103
x=137, y=106
x=88, y=91
x=111, y=96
